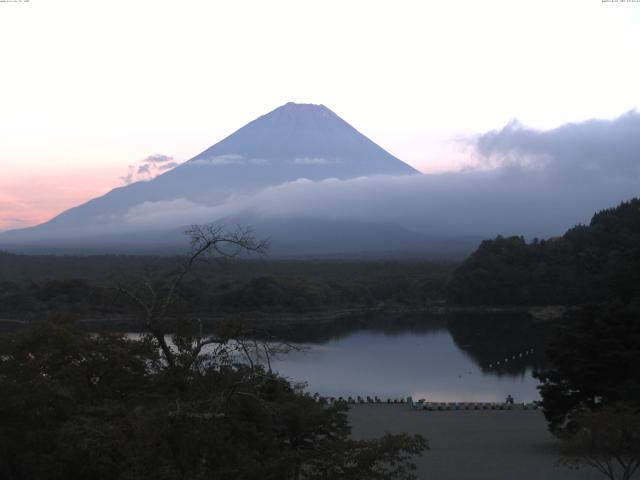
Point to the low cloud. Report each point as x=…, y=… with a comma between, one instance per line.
x=144, y=170
x=465, y=204
x=168, y=166
x=227, y=159
x=165, y=213
x=158, y=158
x=525, y=181
x=230, y=159
x=312, y=161
x=529, y=182
x=585, y=150
x=148, y=168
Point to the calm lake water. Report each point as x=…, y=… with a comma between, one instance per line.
x=423, y=364
x=446, y=360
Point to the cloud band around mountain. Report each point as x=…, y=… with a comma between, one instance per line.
x=532, y=182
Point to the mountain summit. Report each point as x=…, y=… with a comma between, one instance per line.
x=293, y=141
x=301, y=141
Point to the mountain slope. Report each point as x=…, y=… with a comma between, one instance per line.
x=291, y=142
x=587, y=264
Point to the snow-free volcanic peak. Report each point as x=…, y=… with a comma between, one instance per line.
x=293, y=141
x=310, y=141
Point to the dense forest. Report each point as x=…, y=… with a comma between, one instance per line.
x=588, y=263
x=87, y=287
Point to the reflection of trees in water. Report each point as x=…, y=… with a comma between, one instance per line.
x=388, y=324
x=485, y=337
x=489, y=338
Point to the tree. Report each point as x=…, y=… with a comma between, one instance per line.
x=607, y=440
x=53, y=376
x=592, y=363
x=178, y=403
x=156, y=299
x=591, y=263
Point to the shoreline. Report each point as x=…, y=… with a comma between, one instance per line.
x=127, y=322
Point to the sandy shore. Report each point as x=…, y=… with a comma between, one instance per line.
x=470, y=444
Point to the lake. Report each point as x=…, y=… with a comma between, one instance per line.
x=472, y=358
x=428, y=362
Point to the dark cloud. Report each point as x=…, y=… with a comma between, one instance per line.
x=584, y=150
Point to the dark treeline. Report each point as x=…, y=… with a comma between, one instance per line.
x=99, y=268
x=594, y=361
x=86, y=285
x=588, y=263
x=589, y=378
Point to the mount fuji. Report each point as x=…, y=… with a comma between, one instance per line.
x=292, y=142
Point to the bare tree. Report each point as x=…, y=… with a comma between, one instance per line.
x=155, y=297
x=179, y=337
x=607, y=440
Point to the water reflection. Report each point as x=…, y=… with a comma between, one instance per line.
x=434, y=358
x=439, y=358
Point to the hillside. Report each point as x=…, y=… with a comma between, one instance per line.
x=588, y=263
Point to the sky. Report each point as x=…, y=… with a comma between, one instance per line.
x=90, y=88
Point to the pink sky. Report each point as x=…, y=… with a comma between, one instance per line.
x=36, y=198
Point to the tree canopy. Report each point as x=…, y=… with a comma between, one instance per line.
x=587, y=264
x=592, y=363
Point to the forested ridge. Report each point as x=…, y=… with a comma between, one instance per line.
x=589, y=263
